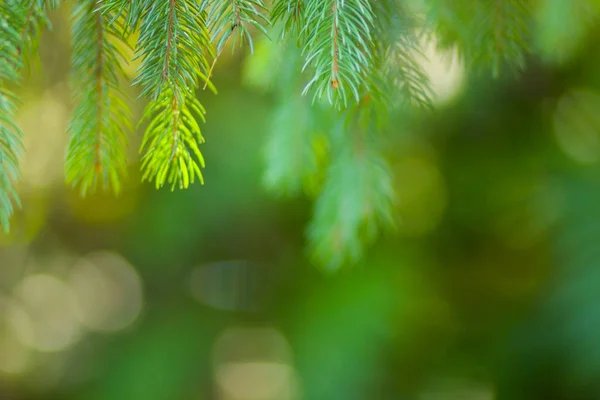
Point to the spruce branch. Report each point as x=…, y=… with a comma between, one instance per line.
x=502, y=35
x=11, y=147
x=399, y=79
x=35, y=19
x=294, y=149
x=356, y=199
x=127, y=11
x=291, y=14
x=408, y=76
x=449, y=23
x=491, y=36
x=291, y=156
x=226, y=17
x=172, y=155
x=337, y=39
x=97, y=150
x=398, y=45
x=175, y=47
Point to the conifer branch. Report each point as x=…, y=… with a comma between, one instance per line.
x=11, y=147
x=398, y=45
x=361, y=56
x=491, y=35
x=97, y=151
x=408, y=75
x=296, y=144
x=226, y=17
x=127, y=11
x=338, y=45
x=35, y=19
x=291, y=159
x=502, y=35
x=448, y=23
x=32, y=13
x=291, y=14
x=357, y=197
x=175, y=46
x=172, y=155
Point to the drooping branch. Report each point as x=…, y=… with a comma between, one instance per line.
x=96, y=155
x=175, y=46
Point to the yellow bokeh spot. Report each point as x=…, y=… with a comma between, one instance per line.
x=42, y=314
x=445, y=70
x=108, y=291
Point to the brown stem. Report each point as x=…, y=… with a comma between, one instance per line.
x=212, y=67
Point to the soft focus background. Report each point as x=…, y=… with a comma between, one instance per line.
x=489, y=288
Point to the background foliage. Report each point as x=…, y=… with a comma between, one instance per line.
x=485, y=289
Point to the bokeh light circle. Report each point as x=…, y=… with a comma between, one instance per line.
x=108, y=291
x=42, y=313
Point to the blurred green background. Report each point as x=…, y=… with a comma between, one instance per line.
x=489, y=288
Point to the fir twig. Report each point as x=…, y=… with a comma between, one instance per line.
x=35, y=19
x=225, y=18
x=175, y=46
x=171, y=143
x=491, y=36
x=11, y=147
x=291, y=14
x=502, y=36
x=338, y=44
x=96, y=155
x=356, y=198
x=127, y=11
x=398, y=46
